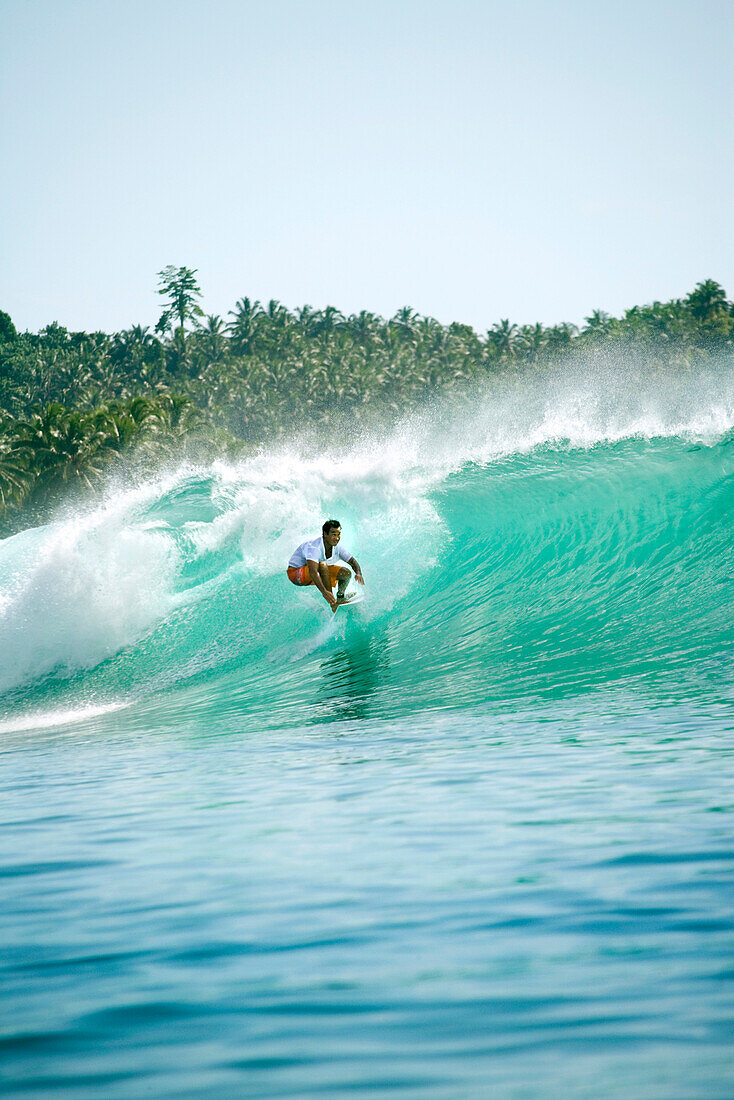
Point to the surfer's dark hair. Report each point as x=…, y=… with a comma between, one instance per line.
x=330, y=523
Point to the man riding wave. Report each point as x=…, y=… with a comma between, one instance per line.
x=317, y=562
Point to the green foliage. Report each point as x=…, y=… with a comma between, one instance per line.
x=73, y=402
x=56, y=448
x=707, y=301
x=7, y=329
x=179, y=287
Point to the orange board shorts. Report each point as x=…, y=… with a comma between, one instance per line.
x=303, y=575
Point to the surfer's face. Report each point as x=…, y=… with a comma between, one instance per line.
x=333, y=536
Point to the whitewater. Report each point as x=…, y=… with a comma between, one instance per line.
x=471, y=838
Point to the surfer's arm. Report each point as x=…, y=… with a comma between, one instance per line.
x=313, y=568
x=357, y=571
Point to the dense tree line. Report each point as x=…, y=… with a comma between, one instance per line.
x=71, y=403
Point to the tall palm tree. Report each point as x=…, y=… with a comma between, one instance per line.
x=179, y=287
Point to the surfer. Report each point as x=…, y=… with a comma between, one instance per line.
x=317, y=562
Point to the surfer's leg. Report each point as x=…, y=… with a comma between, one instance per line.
x=325, y=572
x=342, y=578
x=333, y=575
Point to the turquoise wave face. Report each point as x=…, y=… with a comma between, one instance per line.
x=535, y=542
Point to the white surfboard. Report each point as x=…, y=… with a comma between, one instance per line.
x=350, y=601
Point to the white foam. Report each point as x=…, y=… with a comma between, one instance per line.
x=51, y=718
x=88, y=589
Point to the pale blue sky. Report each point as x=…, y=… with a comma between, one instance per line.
x=532, y=160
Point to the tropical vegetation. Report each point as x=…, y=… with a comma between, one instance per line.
x=72, y=404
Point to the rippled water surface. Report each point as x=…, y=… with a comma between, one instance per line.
x=471, y=839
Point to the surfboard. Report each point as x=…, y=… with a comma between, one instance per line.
x=350, y=601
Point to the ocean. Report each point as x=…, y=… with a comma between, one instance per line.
x=472, y=838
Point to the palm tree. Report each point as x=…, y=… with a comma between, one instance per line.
x=363, y=326
x=212, y=339
x=598, y=321
x=8, y=331
x=706, y=300
x=502, y=337
x=532, y=339
x=133, y=346
x=325, y=322
x=242, y=329
x=15, y=481
x=178, y=410
x=277, y=313
x=179, y=286
x=560, y=336
x=58, y=445
x=15, y=478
